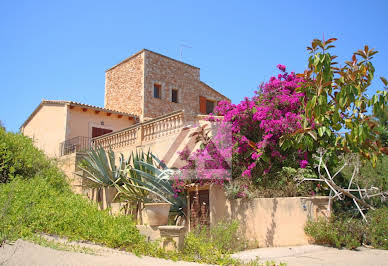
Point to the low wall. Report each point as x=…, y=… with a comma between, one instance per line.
x=69, y=165
x=268, y=222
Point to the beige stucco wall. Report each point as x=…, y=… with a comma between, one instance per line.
x=80, y=123
x=268, y=221
x=165, y=148
x=47, y=128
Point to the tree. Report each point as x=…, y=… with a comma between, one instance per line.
x=337, y=103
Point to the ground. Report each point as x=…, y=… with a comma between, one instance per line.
x=317, y=255
x=26, y=253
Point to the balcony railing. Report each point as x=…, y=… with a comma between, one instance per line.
x=77, y=144
x=143, y=132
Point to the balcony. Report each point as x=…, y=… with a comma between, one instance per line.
x=77, y=144
x=141, y=133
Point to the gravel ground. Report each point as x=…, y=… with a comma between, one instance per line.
x=27, y=253
x=317, y=255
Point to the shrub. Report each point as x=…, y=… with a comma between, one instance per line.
x=19, y=157
x=337, y=232
x=40, y=201
x=214, y=245
x=351, y=233
x=35, y=206
x=378, y=228
x=35, y=198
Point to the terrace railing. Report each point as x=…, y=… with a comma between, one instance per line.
x=143, y=132
x=77, y=144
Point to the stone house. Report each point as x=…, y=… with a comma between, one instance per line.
x=145, y=86
x=149, y=101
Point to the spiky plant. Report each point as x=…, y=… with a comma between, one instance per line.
x=100, y=167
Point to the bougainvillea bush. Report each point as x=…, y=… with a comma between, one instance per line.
x=245, y=143
x=268, y=139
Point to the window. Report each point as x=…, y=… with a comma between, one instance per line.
x=174, y=96
x=209, y=106
x=206, y=106
x=96, y=131
x=157, y=91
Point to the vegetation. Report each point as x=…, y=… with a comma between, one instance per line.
x=41, y=202
x=100, y=167
x=214, y=245
x=351, y=233
x=35, y=198
x=146, y=175
x=140, y=179
x=19, y=158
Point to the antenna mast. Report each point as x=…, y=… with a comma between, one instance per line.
x=181, y=49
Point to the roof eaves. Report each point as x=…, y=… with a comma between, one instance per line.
x=61, y=102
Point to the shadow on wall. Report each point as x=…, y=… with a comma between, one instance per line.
x=268, y=221
x=272, y=228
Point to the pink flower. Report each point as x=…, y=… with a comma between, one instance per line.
x=281, y=67
x=303, y=163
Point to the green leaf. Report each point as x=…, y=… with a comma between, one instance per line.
x=321, y=131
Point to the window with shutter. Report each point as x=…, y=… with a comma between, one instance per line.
x=209, y=107
x=202, y=105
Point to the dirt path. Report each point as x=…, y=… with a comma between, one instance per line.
x=317, y=255
x=27, y=253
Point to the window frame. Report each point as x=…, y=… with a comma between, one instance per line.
x=159, y=89
x=213, y=103
x=172, y=95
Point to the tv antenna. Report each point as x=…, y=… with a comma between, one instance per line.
x=181, y=49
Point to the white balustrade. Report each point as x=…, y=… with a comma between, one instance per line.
x=143, y=132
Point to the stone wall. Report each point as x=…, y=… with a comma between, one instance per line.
x=172, y=74
x=124, y=85
x=69, y=165
x=129, y=86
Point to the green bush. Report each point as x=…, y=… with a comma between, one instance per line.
x=350, y=232
x=35, y=198
x=34, y=206
x=214, y=245
x=337, y=232
x=18, y=157
x=378, y=228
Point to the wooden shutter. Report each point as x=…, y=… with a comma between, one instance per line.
x=96, y=131
x=202, y=105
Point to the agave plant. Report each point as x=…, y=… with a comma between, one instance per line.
x=100, y=167
x=140, y=179
x=147, y=179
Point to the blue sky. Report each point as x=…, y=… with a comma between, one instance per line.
x=61, y=49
